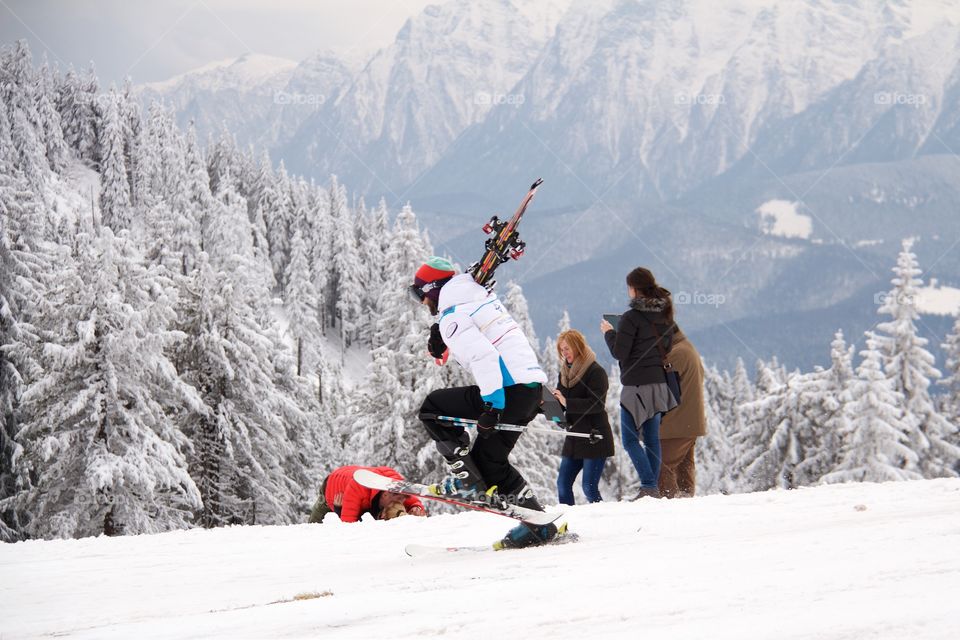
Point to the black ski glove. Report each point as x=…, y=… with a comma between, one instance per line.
x=489, y=419
x=435, y=344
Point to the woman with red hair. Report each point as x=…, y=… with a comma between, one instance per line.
x=582, y=391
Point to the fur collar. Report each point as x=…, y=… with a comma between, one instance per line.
x=648, y=304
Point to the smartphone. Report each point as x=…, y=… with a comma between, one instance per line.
x=612, y=318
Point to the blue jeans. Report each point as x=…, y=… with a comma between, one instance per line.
x=569, y=468
x=645, y=455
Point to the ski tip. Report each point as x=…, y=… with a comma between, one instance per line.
x=537, y=183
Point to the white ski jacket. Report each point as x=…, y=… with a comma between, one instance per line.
x=483, y=337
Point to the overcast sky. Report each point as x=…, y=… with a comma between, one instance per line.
x=153, y=40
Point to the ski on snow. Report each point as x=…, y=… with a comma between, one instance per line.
x=373, y=480
x=420, y=550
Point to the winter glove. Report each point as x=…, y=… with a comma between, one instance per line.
x=487, y=422
x=435, y=344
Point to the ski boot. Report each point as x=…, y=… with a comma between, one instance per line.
x=464, y=482
x=526, y=534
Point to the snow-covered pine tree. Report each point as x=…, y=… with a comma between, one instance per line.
x=826, y=404
x=18, y=91
x=242, y=451
x=104, y=453
x=766, y=444
x=261, y=179
x=910, y=367
x=715, y=460
x=23, y=298
x=69, y=105
x=154, y=217
x=194, y=203
x=743, y=390
x=951, y=401
x=76, y=103
x=878, y=448
x=114, y=184
x=276, y=212
x=347, y=284
x=300, y=305
x=145, y=171
x=56, y=148
x=312, y=440
x=132, y=120
x=372, y=238
x=318, y=235
x=91, y=118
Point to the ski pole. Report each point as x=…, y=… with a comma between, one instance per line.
x=593, y=436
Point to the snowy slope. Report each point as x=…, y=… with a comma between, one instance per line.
x=843, y=562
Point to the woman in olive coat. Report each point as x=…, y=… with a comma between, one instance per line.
x=582, y=391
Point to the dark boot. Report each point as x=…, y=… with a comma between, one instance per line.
x=646, y=492
x=464, y=481
x=526, y=534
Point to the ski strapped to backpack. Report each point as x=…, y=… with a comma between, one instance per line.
x=504, y=242
x=594, y=436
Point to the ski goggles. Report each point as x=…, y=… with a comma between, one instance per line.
x=418, y=292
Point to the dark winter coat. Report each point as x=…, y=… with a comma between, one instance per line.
x=586, y=410
x=633, y=342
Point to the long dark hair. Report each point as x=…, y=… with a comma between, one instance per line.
x=645, y=284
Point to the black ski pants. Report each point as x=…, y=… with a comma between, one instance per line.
x=490, y=454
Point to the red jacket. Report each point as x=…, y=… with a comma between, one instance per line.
x=354, y=498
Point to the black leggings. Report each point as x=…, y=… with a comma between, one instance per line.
x=489, y=454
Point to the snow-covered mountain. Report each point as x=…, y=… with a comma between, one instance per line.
x=259, y=99
x=234, y=94
x=647, y=100
x=448, y=67
x=662, y=130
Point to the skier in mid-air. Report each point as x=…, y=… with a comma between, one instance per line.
x=485, y=339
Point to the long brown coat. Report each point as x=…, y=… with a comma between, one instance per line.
x=689, y=420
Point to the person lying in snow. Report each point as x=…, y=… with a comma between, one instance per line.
x=342, y=495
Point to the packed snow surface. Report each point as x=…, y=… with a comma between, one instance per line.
x=842, y=561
